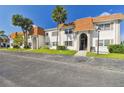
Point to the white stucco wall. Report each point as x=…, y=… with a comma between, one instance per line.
x=37, y=41
x=112, y=34
x=62, y=37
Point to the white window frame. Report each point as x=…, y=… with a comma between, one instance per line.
x=68, y=43
x=103, y=42
x=55, y=34
x=103, y=26
x=69, y=30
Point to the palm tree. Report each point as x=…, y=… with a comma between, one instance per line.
x=25, y=24
x=59, y=15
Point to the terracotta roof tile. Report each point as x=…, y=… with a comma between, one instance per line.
x=15, y=34
x=108, y=18
x=83, y=24
x=37, y=31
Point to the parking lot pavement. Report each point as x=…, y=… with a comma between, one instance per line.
x=32, y=70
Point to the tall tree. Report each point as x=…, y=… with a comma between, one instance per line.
x=59, y=15
x=2, y=32
x=25, y=24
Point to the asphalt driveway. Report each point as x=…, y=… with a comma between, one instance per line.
x=43, y=70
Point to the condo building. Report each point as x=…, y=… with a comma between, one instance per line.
x=80, y=34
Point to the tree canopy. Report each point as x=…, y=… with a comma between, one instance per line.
x=2, y=32
x=59, y=15
x=25, y=24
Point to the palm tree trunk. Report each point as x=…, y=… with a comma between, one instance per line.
x=60, y=37
x=67, y=39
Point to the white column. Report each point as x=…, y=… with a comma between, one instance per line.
x=88, y=41
x=37, y=40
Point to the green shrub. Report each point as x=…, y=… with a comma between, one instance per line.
x=116, y=48
x=16, y=46
x=26, y=46
x=61, y=48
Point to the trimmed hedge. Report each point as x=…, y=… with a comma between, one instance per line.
x=27, y=47
x=116, y=48
x=16, y=46
x=61, y=48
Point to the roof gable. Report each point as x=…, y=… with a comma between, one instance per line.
x=83, y=24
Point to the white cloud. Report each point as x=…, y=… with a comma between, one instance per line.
x=104, y=13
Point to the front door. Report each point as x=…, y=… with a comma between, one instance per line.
x=83, y=41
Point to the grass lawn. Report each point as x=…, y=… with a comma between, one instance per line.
x=45, y=51
x=110, y=55
x=14, y=49
x=53, y=51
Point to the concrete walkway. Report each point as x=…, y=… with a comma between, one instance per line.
x=81, y=53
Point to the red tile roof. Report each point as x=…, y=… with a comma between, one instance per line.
x=108, y=18
x=84, y=24
x=15, y=34
x=36, y=31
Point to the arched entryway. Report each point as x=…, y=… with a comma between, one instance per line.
x=83, y=42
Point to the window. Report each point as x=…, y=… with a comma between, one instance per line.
x=106, y=42
x=54, y=33
x=54, y=43
x=68, y=43
x=101, y=27
x=100, y=42
x=68, y=31
x=105, y=26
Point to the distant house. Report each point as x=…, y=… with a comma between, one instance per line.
x=80, y=34
x=35, y=37
x=4, y=41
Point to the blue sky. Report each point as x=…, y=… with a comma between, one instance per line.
x=41, y=15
